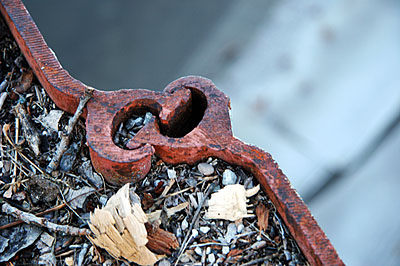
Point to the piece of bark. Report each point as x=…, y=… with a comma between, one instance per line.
x=229, y=203
x=147, y=201
x=262, y=213
x=160, y=241
x=120, y=228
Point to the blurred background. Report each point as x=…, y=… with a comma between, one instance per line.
x=315, y=83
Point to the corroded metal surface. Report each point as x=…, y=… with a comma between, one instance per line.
x=191, y=122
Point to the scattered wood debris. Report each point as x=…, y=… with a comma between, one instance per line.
x=49, y=180
x=120, y=229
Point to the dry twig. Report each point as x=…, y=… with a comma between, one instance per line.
x=63, y=146
x=30, y=218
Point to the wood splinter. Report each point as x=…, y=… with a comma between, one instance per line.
x=122, y=228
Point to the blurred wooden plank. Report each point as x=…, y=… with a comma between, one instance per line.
x=316, y=84
x=360, y=214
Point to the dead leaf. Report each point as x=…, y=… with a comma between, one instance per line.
x=229, y=203
x=77, y=198
x=262, y=213
x=52, y=119
x=120, y=228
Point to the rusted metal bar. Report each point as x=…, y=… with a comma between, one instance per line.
x=191, y=122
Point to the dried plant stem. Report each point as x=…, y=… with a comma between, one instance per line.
x=1, y=144
x=5, y=129
x=63, y=146
x=193, y=222
x=16, y=141
x=30, y=218
x=3, y=98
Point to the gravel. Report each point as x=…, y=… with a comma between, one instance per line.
x=205, y=169
x=229, y=177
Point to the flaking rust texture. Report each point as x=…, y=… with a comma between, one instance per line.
x=190, y=123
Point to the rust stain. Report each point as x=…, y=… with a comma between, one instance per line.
x=192, y=123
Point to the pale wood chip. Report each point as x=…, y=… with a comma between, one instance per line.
x=229, y=203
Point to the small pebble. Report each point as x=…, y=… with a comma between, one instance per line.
x=208, y=250
x=69, y=261
x=164, y=263
x=204, y=229
x=198, y=251
x=205, y=168
x=195, y=233
x=171, y=173
x=211, y=258
x=225, y=250
x=228, y=177
x=258, y=245
x=185, y=258
x=108, y=263
x=184, y=225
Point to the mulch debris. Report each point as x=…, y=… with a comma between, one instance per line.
x=55, y=203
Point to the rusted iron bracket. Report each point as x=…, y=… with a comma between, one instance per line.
x=191, y=122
